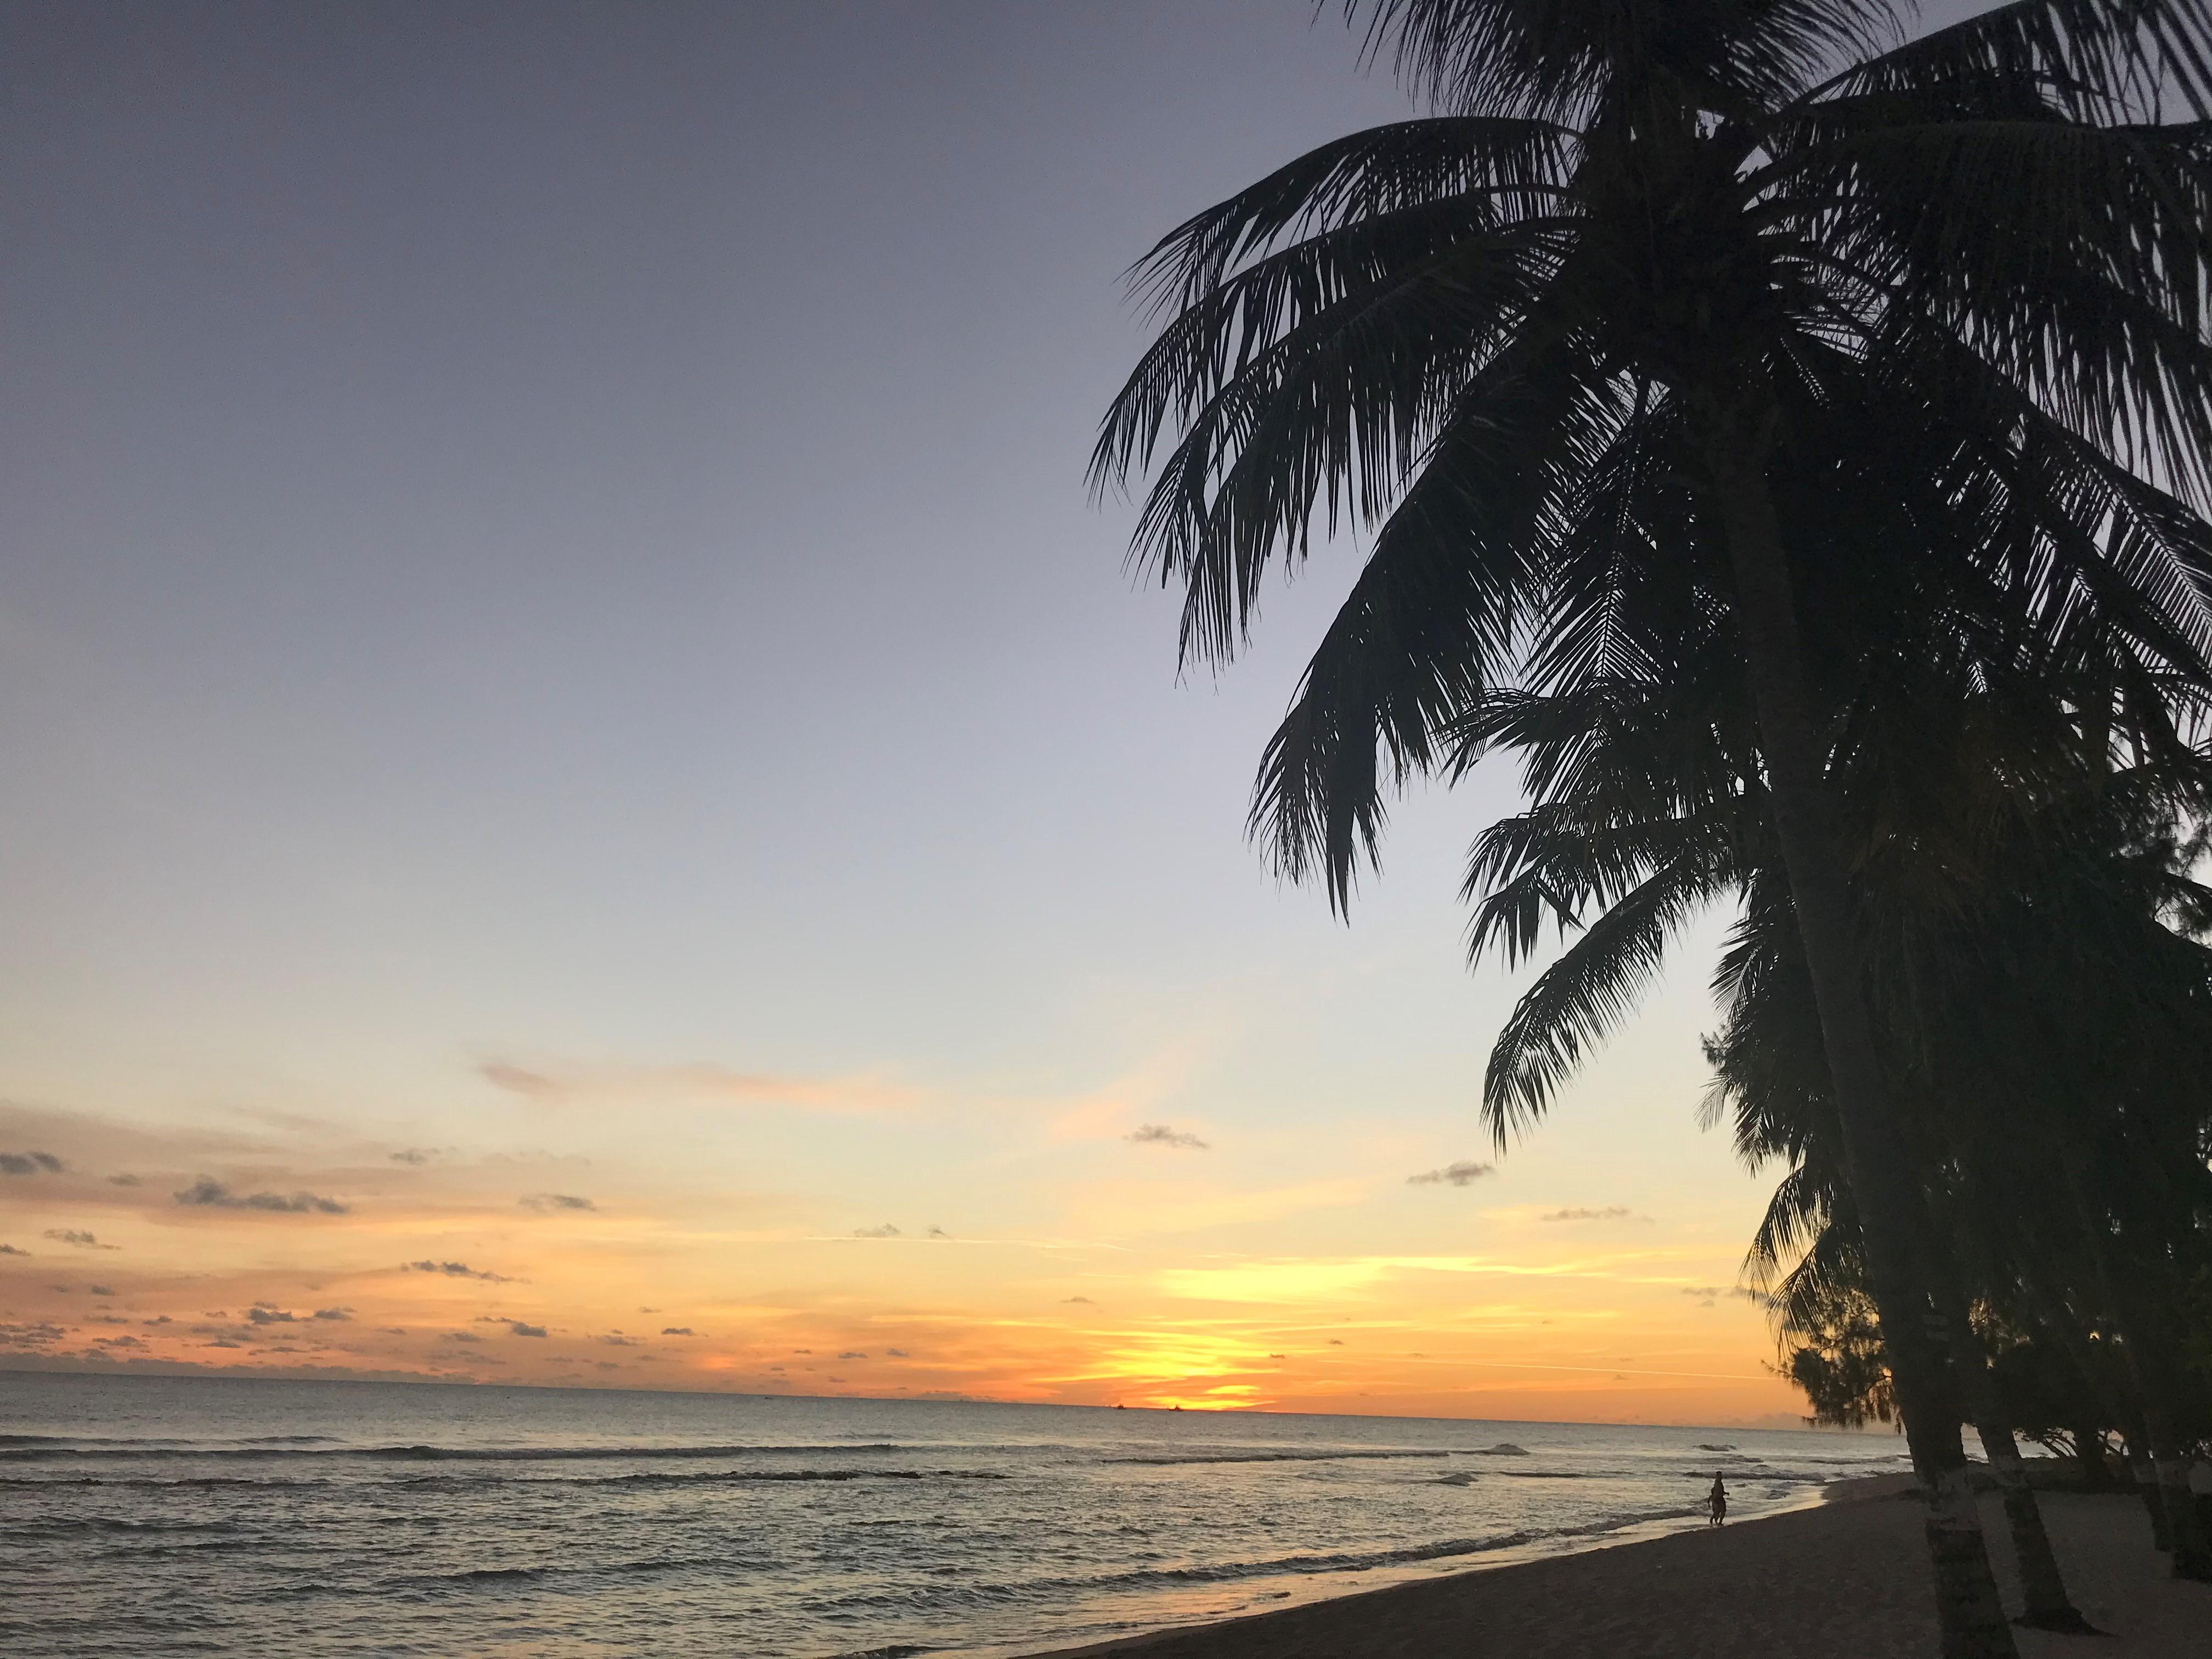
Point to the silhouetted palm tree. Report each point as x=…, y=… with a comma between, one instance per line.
x=1636, y=254
x=1772, y=1069
x=2036, y=1005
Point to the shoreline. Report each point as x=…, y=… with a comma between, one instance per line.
x=1839, y=1579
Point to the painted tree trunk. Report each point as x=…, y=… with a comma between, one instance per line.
x=2042, y=1586
x=1877, y=1161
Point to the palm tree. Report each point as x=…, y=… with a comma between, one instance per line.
x=1634, y=249
x=1807, y=1252
x=1769, y=1062
x=2010, y=926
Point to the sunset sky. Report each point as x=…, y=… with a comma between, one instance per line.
x=588, y=798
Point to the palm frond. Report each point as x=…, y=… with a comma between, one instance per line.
x=1793, y=1248
x=1595, y=983
x=2074, y=261
x=1332, y=418
x=2095, y=55
x=1483, y=169
x=1562, y=60
x=1431, y=625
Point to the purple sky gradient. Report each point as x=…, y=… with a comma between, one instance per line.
x=554, y=535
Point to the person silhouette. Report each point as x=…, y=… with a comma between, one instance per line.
x=1717, y=1502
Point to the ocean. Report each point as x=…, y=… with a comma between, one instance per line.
x=146, y=1515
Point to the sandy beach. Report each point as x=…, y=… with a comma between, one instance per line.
x=1844, y=1581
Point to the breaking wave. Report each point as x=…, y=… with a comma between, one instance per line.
x=1174, y=1461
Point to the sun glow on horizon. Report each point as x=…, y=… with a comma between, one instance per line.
x=307, y=1247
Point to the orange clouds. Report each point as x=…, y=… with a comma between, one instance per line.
x=1081, y=1269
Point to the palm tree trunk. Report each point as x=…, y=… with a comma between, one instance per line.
x=2043, y=1588
x=2162, y=1466
x=1737, y=434
x=2146, y=1488
x=2089, y=1453
x=2155, y=1371
x=2057, y=1315
x=2169, y=1473
x=2193, y=1558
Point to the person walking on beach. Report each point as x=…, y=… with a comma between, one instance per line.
x=1717, y=1502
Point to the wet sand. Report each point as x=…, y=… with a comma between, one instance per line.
x=1844, y=1581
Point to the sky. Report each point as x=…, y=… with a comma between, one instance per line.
x=590, y=799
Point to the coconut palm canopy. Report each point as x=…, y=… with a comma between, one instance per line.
x=1494, y=334
x=1721, y=326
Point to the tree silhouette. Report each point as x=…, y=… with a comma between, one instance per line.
x=1586, y=323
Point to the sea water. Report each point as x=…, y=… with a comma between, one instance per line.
x=149, y=1515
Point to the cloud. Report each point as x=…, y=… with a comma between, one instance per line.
x=897, y=1353
x=454, y=1270
x=123, y=1181
x=517, y=1081
x=884, y=1232
x=937, y=1233
x=460, y=1336
x=41, y=1335
x=676, y=1330
x=100, y=1290
x=413, y=1155
x=519, y=1327
x=1159, y=1135
x=719, y=1084
x=1610, y=1212
x=207, y=1192
x=262, y=1313
x=546, y=1203
x=1708, y=1295
x=10, y=1250
x=616, y=1340
x=1084, y=1299
x=1464, y=1173
x=852, y=1353
x=334, y=1315
x=23, y=1164
x=83, y=1241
